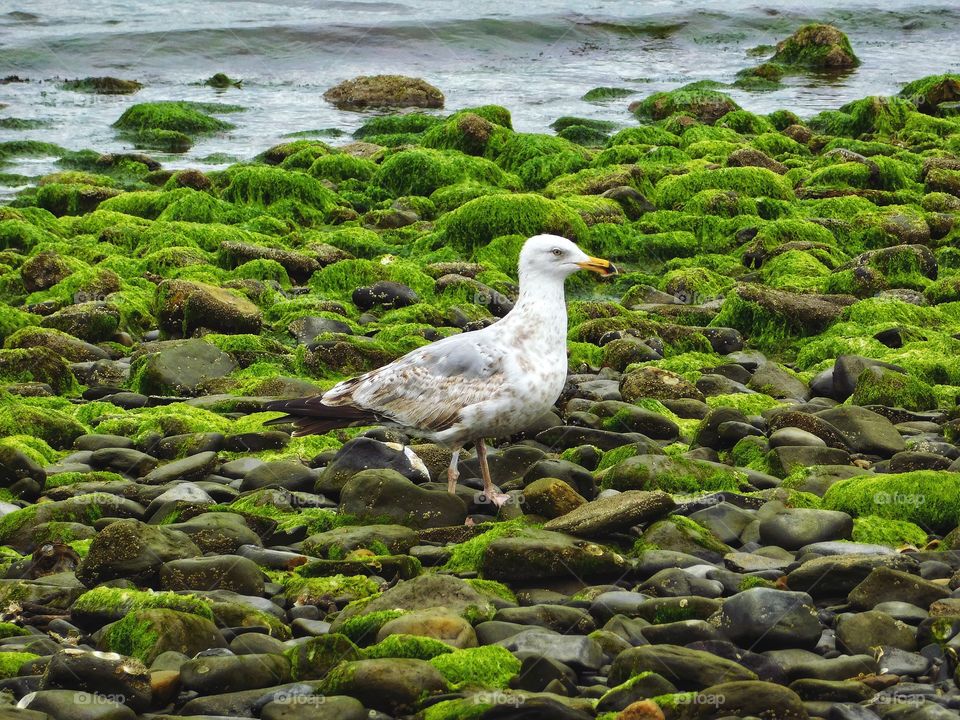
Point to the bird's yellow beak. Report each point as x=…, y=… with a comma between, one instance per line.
x=597, y=265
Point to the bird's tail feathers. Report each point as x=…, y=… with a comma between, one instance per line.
x=311, y=417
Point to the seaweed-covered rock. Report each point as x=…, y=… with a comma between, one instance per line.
x=184, y=306
x=146, y=634
x=372, y=91
x=388, y=494
x=816, y=47
x=103, y=85
x=181, y=117
x=36, y=364
x=179, y=367
x=479, y=221
x=133, y=550
x=705, y=104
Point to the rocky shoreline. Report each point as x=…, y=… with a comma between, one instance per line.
x=746, y=503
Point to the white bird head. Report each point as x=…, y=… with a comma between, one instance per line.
x=552, y=255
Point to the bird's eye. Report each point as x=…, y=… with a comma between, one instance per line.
x=557, y=252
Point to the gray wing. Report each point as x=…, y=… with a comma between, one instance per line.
x=428, y=387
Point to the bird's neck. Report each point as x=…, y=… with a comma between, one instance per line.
x=541, y=306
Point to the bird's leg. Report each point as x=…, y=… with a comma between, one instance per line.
x=495, y=497
x=452, y=472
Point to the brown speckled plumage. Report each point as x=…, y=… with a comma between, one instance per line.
x=490, y=382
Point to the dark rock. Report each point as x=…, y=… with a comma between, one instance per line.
x=213, y=572
x=76, y=705
x=212, y=674
x=865, y=431
x=794, y=528
x=107, y=674
x=884, y=584
x=576, y=651
x=363, y=453
x=834, y=576
x=687, y=669
x=752, y=698
x=859, y=633
x=388, y=494
x=279, y=473
x=769, y=618
x=543, y=555
x=616, y=512
x=385, y=294
x=125, y=461
x=190, y=468
x=131, y=550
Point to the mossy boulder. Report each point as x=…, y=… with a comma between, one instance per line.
x=672, y=475
x=18, y=528
x=929, y=92
x=422, y=171
x=180, y=117
x=184, y=306
x=816, y=47
x=928, y=498
x=37, y=363
x=479, y=221
x=55, y=427
x=73, y=198
x=66, y=346
x=103, y=85
x=315, y=658
x=135, y=551
x=103, y=605
x=394, y=686
x=377, y=91
x=145, y=634
x=882, y=386
x=705, y=104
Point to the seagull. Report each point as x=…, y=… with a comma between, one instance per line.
x=491, y=382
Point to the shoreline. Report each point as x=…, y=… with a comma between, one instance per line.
x=745, y=502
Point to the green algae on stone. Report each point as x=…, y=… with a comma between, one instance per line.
x=878, y=386
x=479, y=221
x=407, y=646
x=114, y=603
x=816, y=47
x=672, y=475
x=311, y=591
x=363, y=628
x=177, y=116
x=927, y=498
x=12, y=661
x=705, y=104
x=468, y=555
x=875, y=530
x=674, y=191
x=490, y=666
